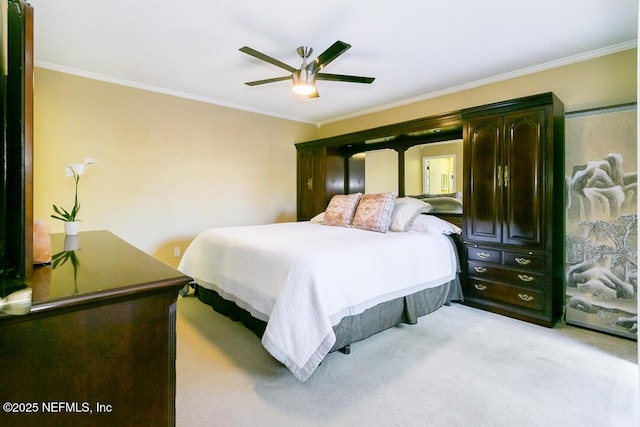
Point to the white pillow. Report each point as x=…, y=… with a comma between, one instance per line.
x=318, y=219
x=405, y=211
x=433, y=224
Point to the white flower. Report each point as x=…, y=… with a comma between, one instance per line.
x=77, y=169
x=72, y=171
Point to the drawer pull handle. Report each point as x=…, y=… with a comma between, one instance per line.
x=483, y=254
x=480, y=269
x=480, y=287
x=506, y=176
x=523, y=261
x=525, y=278
x=525, y=297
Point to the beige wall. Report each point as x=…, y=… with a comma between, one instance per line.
x=381, y=171
x=167, y=167
x=607, y=80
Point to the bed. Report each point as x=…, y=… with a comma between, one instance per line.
x=309, y=288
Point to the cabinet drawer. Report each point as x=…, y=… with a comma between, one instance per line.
x=484, y=254
x=504, y=293
x=523, y=261
x=486, y=271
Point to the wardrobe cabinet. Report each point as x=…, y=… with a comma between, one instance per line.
x=321, y=175
x=513, y=238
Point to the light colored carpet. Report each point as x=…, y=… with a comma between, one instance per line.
x=457, y=367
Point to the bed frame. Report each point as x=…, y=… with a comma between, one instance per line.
x=355, y=328
x=352, y=328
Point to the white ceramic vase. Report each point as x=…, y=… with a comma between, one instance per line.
x=71, y=228
x=71, y=243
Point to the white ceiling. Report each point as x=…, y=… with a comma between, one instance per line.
x=416, y=49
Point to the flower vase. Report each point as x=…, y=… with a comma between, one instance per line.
x=71, y=243
x=71, y=228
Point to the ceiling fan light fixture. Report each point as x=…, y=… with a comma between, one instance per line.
x=304, y=89
x=304, y=82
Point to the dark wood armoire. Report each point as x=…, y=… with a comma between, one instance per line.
x=513, y=217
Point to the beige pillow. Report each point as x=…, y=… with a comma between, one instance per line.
x=406, y=209
x=318, y=219
x=374, y=212
x=341, y=209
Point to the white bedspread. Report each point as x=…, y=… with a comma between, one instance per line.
x=303, y=278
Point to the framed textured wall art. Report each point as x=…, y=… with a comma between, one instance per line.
x=601, y=267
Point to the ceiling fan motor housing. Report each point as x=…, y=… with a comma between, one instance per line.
x=304, y=75
x=305, y=51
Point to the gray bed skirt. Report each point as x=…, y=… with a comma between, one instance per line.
x=353, y=328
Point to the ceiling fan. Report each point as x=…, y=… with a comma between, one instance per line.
x=305, y=77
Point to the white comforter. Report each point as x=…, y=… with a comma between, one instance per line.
x=303, y=278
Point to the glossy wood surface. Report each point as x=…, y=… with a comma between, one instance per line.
x=98, y=347
x=99, y=267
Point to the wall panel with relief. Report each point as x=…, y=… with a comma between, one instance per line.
x=601, y=220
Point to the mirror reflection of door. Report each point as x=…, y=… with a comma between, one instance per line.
x=438, y=174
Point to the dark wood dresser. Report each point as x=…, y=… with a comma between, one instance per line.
x=98, y=345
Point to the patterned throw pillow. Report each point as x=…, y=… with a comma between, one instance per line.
x=374, y=212
x=341, y=209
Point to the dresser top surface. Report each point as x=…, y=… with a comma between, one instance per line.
x=94, y=266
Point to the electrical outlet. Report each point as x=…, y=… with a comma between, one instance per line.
x=176, y=252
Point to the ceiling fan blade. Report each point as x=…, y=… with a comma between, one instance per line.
x=261, y=82
x=335, y=50
x=266, y=58
x=344, y=78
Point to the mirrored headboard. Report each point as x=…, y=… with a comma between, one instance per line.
x=431, y=171
x=392, y=157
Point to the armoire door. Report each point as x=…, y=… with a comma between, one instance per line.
x=483, y=199
x=523, y=183
x=310, y=183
